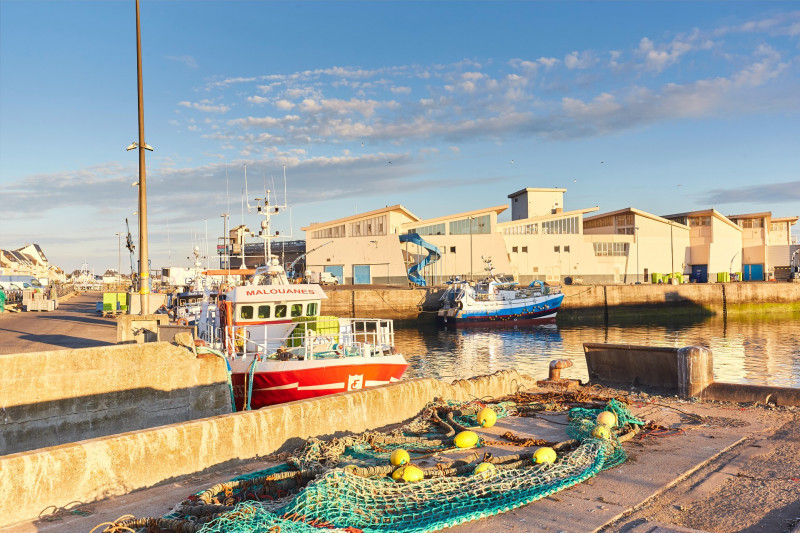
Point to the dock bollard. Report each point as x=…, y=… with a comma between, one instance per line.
x=695, y=371
x=555, y=379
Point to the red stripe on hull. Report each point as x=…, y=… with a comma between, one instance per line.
x=310, y=383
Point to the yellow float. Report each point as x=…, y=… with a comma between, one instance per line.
x=545, y=454
x=484, y=470
x=408, y=473
x=607, y=418
x=466, y=439
x=487, y=417
x=601, y=432
x=399, y=457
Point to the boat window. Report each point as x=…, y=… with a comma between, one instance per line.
x=280, y=311
x=297, y=309
x=246, y=312
x=311, y=310
x=263, y=311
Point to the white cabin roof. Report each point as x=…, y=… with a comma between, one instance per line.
x=276, y=293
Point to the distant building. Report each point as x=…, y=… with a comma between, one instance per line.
x=715, y=244
x=766, y=245
x=546, y=242
x=28, y=261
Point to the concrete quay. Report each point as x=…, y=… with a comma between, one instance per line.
x=582, y=302
x=723, y=468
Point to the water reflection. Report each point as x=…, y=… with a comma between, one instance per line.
x=759, y=350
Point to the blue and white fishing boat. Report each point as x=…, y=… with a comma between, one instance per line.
x=494, y=301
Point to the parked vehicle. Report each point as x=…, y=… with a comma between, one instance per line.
x=321, y=278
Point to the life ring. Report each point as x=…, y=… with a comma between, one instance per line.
x=183, y=322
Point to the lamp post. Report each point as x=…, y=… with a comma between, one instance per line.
x=471, y=271
x=636, y=238
x=144, y=263
x=119, y=259
x=225, y=243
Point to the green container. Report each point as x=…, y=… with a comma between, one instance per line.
x=322, y=325
x=723, y=277
x=109, y=301
x=655, y=278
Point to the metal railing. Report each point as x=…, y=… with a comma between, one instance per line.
x=355, y=337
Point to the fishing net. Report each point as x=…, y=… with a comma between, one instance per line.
x=346, y=484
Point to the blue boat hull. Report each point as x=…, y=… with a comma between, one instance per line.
x=542, y=312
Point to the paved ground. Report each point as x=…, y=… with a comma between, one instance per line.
x=75, y=324
x=728, y=469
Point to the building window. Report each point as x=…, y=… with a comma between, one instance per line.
x=561, y=226
x=452, y=249
x=334, y=232
x=524, y=249
x=536, y=269
x=699, y=221
x=566, y=248
x=433, y=229
x=471, y=226
x=556, y=249
x=514, y=249
x=605, y=249
x=750, y=223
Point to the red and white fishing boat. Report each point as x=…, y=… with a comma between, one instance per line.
x=280, y=349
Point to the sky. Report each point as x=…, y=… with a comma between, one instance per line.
x=443, y=107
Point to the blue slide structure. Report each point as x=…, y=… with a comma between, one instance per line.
x=433, y=256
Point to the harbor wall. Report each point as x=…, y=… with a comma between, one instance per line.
x=421, y=303
x=54, y=397
x=109, y=466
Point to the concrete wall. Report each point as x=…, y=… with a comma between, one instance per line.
x=705, y=298
x=49, y=398
x=100, y=468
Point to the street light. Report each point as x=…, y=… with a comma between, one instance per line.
x=144, y=262
x=636, y=238
x=471, y=271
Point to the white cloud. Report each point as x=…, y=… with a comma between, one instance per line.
x=187, y=61
x=205, y=106
x=257, y=100
x=579, y=60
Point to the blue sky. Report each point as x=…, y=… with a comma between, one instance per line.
x=440, y=106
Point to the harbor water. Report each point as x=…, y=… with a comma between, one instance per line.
x=762, y=350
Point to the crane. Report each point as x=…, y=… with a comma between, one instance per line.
x=290, y=268
x=131, y=247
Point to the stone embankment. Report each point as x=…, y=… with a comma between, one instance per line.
x=582, y=301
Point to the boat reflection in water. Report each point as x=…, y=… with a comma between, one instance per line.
x=756, y=350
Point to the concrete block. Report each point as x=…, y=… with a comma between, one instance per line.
x=53, y=397
x=139, y=328
x=100, y=468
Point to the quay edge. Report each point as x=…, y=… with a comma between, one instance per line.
x=100, y=468
x=583, y=302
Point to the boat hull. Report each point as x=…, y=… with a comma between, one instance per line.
x=542, y=312
x=277, y=382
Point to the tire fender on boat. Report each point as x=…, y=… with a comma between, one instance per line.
x=183, y=322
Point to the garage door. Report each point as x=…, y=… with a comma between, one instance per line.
x=361, y=275
x=753, y=272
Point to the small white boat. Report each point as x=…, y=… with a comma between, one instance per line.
x=497, y=302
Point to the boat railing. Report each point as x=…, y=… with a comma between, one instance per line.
x=364, y=337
